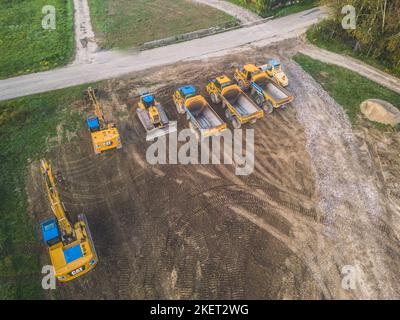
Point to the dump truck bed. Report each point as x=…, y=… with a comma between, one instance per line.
x=241, y=102
x=204, y=117
x=277, y=93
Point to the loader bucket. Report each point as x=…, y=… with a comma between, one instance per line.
x=158, y=132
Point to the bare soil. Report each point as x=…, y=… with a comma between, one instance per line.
x=321, y=197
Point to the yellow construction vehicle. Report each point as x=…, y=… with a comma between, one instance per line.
x=70, y=246
x=204, y=121
x=266, y=92
x=239, y=108
x=274, y=69
x=153, y=117
x=104, y=135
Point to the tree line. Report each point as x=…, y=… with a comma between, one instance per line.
x=377, y=29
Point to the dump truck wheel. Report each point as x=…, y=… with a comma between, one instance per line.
x=268, y=107
x=215, y=98
x=259, y=100
x=236, y=123
x=228, y=115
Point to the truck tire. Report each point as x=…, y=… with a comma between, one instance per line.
x=228, y=115
x=259, y=100
x=236, y=123
x=268, y=107
x=215, y=98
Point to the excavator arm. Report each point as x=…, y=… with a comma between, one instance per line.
x=56, y=205
x=97, y=108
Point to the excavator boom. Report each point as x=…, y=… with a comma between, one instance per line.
x=55, y=202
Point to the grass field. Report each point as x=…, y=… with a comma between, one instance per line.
x=280, y=12
x=25, y=126
x=127, y=23
x=25, y=46
x=348, y=88
x=319, y=36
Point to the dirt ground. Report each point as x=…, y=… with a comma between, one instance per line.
x=320, y=198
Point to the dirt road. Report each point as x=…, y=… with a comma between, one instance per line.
x=242, y=14
x=85, y=44
x=107, y=65
x=352, y=64
x=320, y=199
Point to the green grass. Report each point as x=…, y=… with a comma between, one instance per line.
x=294, y=8
x=128, y=23
x=25, y=126
x=320, y=35
x=279, y=12
x=25, y=46
x=348, y=88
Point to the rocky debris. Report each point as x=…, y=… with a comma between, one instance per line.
x=380, y=111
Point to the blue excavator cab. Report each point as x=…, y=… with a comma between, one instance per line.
x=50, y=231
x=93, y=123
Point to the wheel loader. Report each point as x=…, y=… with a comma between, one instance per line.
x=71, y=248
x=105, y=136
x=266, y=92
x=203, y=120
x=153, y=117
x=239, y=108
x=274, y=69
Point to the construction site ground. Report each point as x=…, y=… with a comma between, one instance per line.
x=322, y=197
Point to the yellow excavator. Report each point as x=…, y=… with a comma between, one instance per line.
x=71, y=249
x=104, y=135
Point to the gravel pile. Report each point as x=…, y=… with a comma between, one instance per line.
x=341, y=168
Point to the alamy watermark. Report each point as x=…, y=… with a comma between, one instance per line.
x=349, y=20
x=350, y=277
x=49, y=279
x=49, y=19
x=227, y=145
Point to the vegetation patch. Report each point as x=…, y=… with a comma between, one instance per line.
x=128, y=23
x=25, y=46
x=26, y=124
x=276, y=8
x=376, y=38
x=348, y=88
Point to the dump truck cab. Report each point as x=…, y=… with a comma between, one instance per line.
x=263, y=89
x=202, y=118
x=238, y=107
x=274, y=69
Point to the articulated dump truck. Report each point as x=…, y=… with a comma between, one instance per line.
x=203, y=119
x=263, y=89
x=239, y=108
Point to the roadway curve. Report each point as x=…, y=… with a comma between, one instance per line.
x=352, y=64
x=106, y=65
